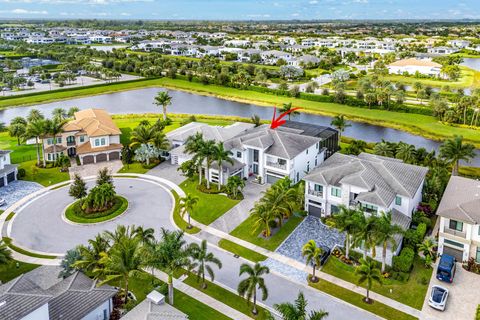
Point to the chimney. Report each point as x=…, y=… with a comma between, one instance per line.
x=156, y=297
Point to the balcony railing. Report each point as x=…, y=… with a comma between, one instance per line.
x=460, y=234
x=71, y=143
x=277, y=165
x=315, y=193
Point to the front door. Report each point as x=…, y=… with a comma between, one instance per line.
x=255, y=168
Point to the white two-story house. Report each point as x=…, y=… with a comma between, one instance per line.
x=8, y=171
x=371, y=183
x=459, y=212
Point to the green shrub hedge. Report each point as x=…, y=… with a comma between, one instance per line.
x=76, y=214
x=404, y=261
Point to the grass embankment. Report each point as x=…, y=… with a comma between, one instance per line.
x=75, y=213
x=411, y=292
x=13, y=269
x=426, y=126
x=210, y=206
x=356, y=299
x=227, y=297
x=8, y=242
x=246, y=231
x=241, y=251
x=179, y=221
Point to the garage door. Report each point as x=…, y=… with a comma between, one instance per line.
x=101, y=157
x=457, y=254
x=272, y=179
x=87, y=159
x=114, y=155
x=2, y=182
x=10, y=177
x=314, y=211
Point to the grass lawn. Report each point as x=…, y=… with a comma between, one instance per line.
x=411, y=293
x=20, y=152
x=75, y=213
x=13, y=269
x=137, y=167
x=356, y=299
x=195, y=309
x=227, y=297
x=210, y=206
x=9, y=243
x=245, y=229
x=178, y=219
x=241, y=251
x=46, y=177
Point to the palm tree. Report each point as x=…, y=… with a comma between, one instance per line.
x=59, y=114
x=160, y=140
x=256, y=120
x=234, y=184
x=247, y=288
x=36, y=129
x=406, y=152
x=187, y=204
x=201, y=259
x=146, y=235
x=207, y=152
x=5, y=253
x=71, y=112
x=386, y=233
x=282, y=200
x=312, y=253
x=262, y=215
x=368, y=272
x=163, y=99
x=193, y=145
x=287, y=107
x=171, y=256
x=345, y=221
x=427, y=247
x=298, y=310
x=124, y=260
x=141, y=135
x=220, y=155
x=341, y=124
x=384, y=149
x=34, y=115
x=365, y=234
x=453, y=150
x=54, y=128
x=90, y=255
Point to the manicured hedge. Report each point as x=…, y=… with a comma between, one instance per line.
x=76, y=214
x=404, y=261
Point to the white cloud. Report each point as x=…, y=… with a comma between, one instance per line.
x=88, y=2
x=313, y=2
x=24, y=11
x=125, y=14
x=360, y=1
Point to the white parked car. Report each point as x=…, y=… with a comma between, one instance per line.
x=2, y=202
x=438, y=298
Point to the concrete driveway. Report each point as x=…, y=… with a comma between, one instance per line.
x=167, y=171
x=39, y=225
x=87, y=170
x=463, y=296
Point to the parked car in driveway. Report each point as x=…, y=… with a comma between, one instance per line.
x=3, y=202
x=438, y=298
x=446, y=268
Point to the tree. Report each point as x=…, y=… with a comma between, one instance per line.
x=386, y=232
x=220, y=155
x=146, y=152
x=384, y=149
x=406, y=152
x=427, y=247
x=59, y=114
x=312, y=254
x=18, y=131
x=142, y=134
x=287, y=107
x=34, y=115
x=247, y=288
x=368, y=272
x=340, y=123
x=193, y=145
x=346, y=221
x=298, y=310
x=127, y=155
x=90, y=255
x=36, y=128
x=71, y=112
x=104, y=176
x=207, y=152
x=187, y=204
x=54, y=128
x=235, y=184
x=163, y=99
x=68, y=262
x=201, y=259
x=5, y=253
x=78, y=188
x=370, y=98
x=262, y=215
x=188, y=168
x=256, y=120
x=453, y=150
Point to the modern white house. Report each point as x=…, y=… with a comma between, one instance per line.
x=371, y=183
x=8, y=171
x=459, y=212
x=413, y=65
x=154, y=307
x=442, y=50
x=41, y=295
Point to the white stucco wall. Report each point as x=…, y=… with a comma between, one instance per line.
x=98, y=313
x=39, y=314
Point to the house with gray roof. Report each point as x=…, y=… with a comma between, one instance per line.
x=459, y=212
x=154, y=307
x=372, y=183
x=8, y=171
x=41, y=295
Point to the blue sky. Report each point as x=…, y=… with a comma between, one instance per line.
x=241, y=9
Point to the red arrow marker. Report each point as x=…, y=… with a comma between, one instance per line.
x=277, y=122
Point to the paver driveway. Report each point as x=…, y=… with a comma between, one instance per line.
x=39, y=225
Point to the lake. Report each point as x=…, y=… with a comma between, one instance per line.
x=472, y=63
x=140, y=101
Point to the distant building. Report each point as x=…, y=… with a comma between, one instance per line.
x=412, y=66
x=8, y=171
x=442, y=50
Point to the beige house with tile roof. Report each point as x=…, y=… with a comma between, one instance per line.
x=92, y=136
x=413, y=65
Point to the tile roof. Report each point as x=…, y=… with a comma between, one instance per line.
x=216, y=133
x=87, y=148
x=382, y=178
x=415, y=62
x=461, y=200
x=95, y=122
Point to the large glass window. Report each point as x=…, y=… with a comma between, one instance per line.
x=82, y=138
x=369, y=208
x=318, y=188
x=102, y=142
x=456, y=225
x=398, y=200
x=477, y=257
x=255, y=155
x=336, y=192
x=97, y=142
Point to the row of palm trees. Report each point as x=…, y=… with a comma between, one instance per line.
x=277, y=204
x=366, y=232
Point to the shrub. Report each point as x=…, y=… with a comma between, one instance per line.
x=477, y=316
x=272, y=224
x=421, y=231
x=404, y=261
x=21, y=173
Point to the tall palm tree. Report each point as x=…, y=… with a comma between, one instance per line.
x=91, y=254
x=287, y=107
x=248, y=287
x=386, y=232
x=234, y=184
x=193, y=145
x=312, y=254
x=141, y=135
x=71, y=112
x=36, y=129
x=282, y=199
x=406, y=152
x=187, y=204
x=35, y=115
x=427, y=247
x=345, y=221
x=365, y=234
x=163, y=99
x=200, y=261
x=341, y=124
x=453, y=150
x=256, y=120
x=5, y=253
x=298, y=310
x=171, y=256
x=262, y=215
x=221, y=155
x=59, y=114
x=55, y=128
x=368, y=272
x=207, y=152
x=384, y=149
x=146, y=235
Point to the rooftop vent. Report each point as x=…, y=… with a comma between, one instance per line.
x=156, y=297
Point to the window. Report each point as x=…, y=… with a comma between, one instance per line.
x=82, y=138
x=318, y=188
x=369, y=208
x=334, y=209
x=453, y=243
x=456, y=225
x=49, y=157
x=307, y=151
x=239, y=154
x=102, y=142
x=97, y=142
x=336, y=192
x=282, y=162
x=298, y=176
x=477, y=257
x=308, y=166
x=255, y=155
x=59, y=139
x=398, y=200
x=49, y=141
